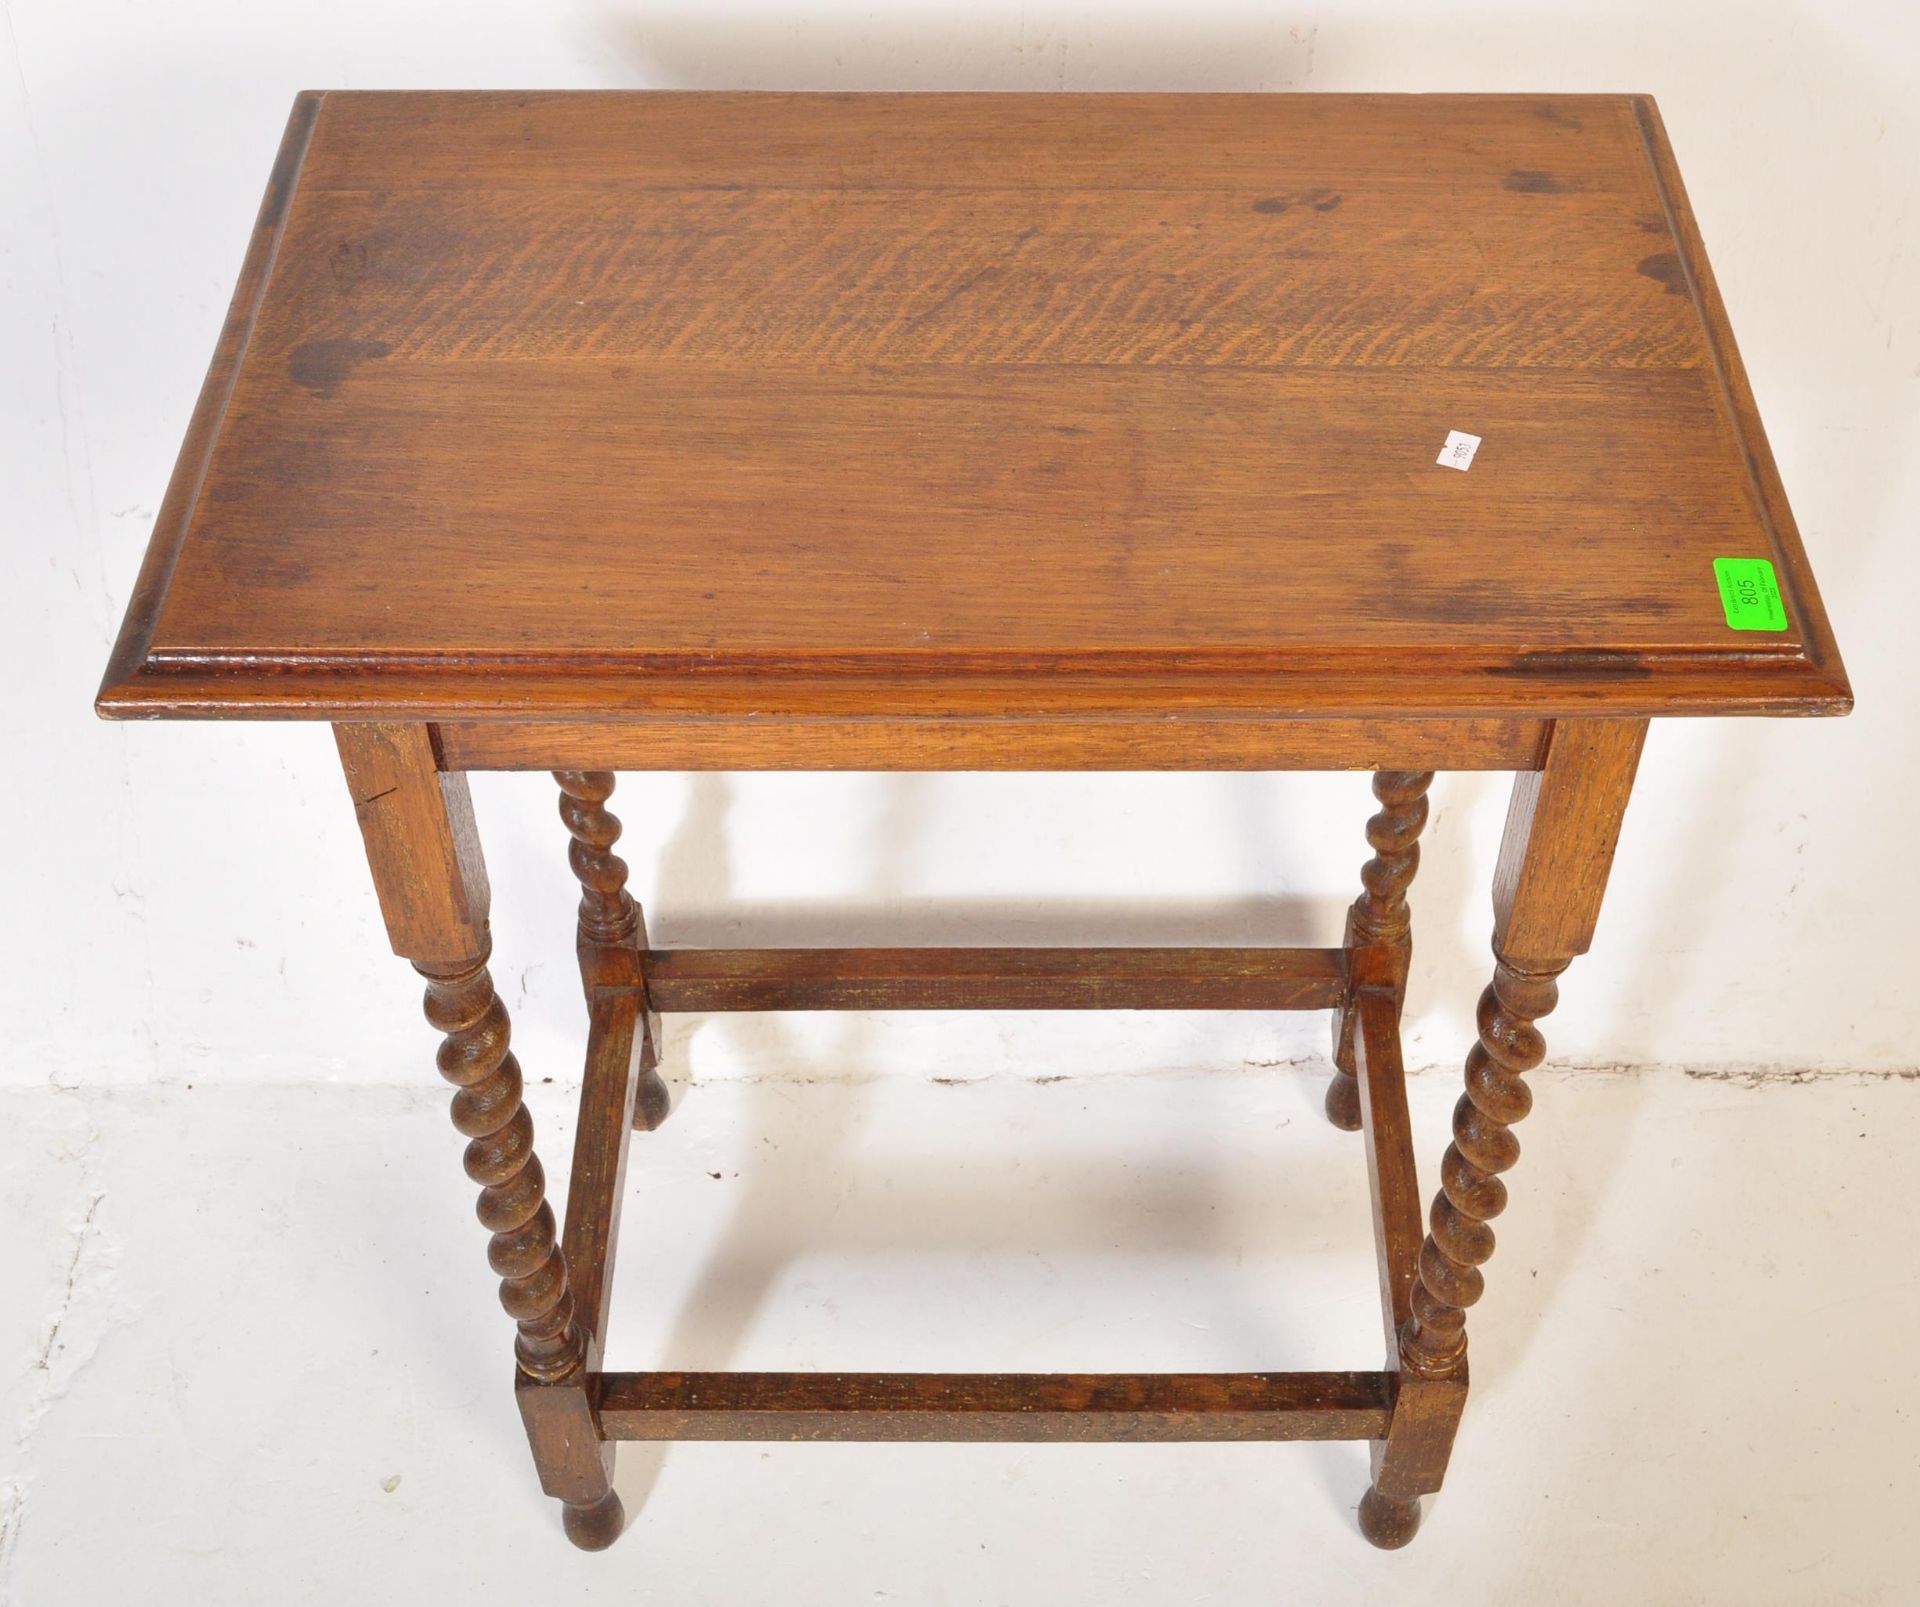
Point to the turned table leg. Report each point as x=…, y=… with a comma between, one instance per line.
x=610, y=918
x=1380, y=917
x=1561, y=831
x=427, y=870
x=525, y=1250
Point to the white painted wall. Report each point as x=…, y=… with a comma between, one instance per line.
x=188, y=902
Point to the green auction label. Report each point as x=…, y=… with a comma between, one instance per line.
x=1749, y=594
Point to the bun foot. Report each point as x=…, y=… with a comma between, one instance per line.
x=595, y=1527
x=651, y=1101
x=1343, y=1102
x=1388, y=1523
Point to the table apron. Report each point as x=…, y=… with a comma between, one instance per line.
x=1171, y=741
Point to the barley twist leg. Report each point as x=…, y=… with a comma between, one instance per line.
x=1380, y=917
x=487, y=1107
x=1563, y=826
x=1433, y=1340
x=610, y=918
x=1459, y=1240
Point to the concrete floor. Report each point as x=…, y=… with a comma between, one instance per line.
x=252, y=1353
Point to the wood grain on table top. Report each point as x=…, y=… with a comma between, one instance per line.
x=563, y=404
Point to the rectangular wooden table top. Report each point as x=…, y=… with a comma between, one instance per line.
x=575, y=405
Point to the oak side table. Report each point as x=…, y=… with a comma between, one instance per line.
x=589, y=432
